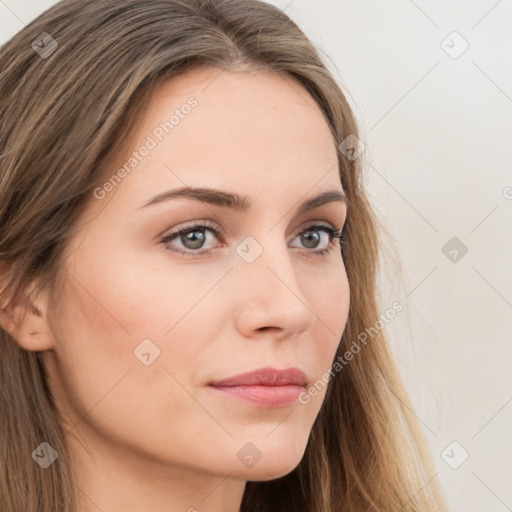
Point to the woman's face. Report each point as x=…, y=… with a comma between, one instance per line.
x=141, y=329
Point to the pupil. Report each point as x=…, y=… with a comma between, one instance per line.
x=309, y=236
x=197, y=241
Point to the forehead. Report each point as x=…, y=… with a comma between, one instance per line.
x=255, y=130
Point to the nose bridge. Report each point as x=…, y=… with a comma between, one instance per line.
x=269, y=293
x=266, y=262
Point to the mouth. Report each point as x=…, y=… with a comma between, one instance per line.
x=265, y=387
x=265, y=396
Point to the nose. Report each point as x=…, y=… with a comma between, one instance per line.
x=269, y=296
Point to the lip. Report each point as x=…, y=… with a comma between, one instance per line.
x=267, y=376
x=265, y=387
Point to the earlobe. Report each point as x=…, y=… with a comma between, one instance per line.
x=26, y=323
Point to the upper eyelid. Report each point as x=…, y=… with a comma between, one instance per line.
x=207, y=225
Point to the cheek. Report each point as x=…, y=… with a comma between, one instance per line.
x=100, y=369
x=329, y=298
x=330, y=301
x=113, y=305
x=106, y=389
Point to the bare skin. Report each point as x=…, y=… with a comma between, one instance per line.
x=156, y=437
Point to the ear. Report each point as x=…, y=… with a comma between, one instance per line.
x=23, y=315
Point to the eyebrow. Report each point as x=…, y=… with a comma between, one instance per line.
x=239, y=203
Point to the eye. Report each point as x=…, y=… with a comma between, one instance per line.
x=312, y=238
x=194, y=238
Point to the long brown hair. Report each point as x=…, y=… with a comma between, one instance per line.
x=63, y=114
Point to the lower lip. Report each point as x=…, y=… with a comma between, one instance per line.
x=266, y=396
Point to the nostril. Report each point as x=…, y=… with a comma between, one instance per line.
x=269, y=328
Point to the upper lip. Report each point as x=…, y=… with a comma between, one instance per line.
x=265, y=377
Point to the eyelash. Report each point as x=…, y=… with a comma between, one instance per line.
x=333, y=235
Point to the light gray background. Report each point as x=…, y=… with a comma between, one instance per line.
x=438, y=132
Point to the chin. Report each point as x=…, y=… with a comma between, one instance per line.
x=275, y=462
x=269, y=471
